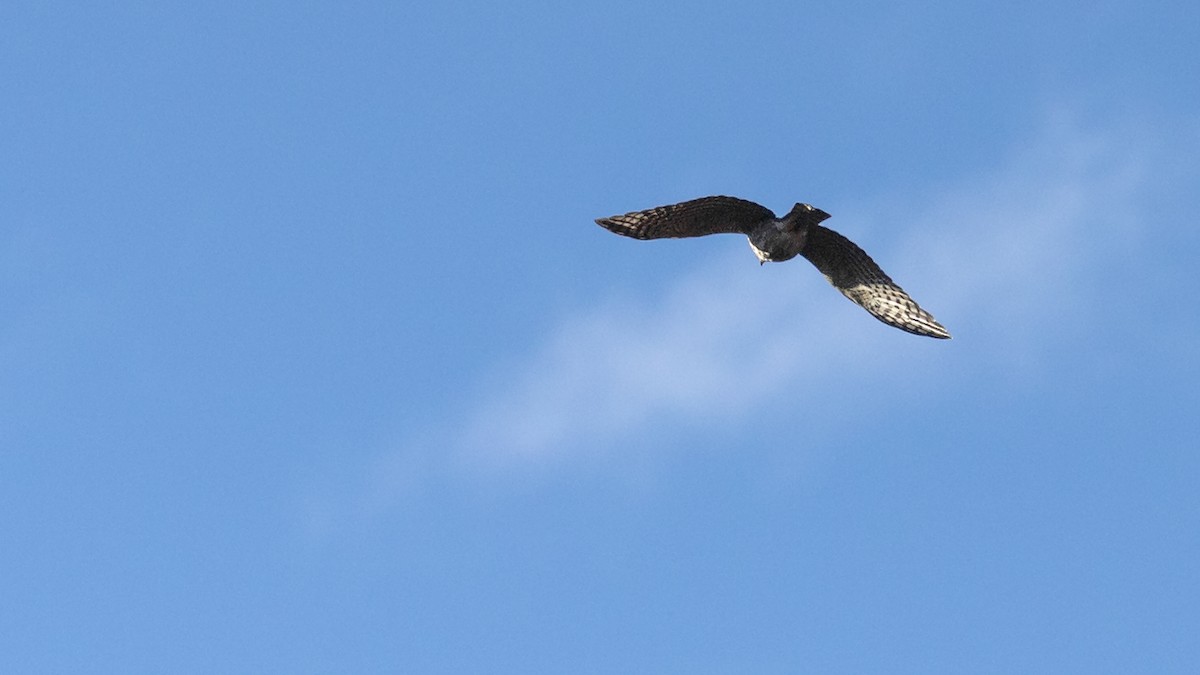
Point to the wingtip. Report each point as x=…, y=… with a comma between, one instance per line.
x=613, y=224
x=934, y=330
x=930, y=326
x=918, y=323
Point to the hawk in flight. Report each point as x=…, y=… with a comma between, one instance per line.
x=844, y=264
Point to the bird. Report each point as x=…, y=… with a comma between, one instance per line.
x=773, y=239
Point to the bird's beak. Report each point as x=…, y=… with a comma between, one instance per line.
x=762, y=262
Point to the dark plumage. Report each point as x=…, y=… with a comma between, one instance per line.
x=844, y=264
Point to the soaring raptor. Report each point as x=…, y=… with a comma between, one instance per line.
x=845, y=265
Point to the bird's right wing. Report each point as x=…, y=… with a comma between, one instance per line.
x=852, y=272
x=695, y=218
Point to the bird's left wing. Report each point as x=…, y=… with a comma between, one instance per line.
x=695, y=218
x=852, y=272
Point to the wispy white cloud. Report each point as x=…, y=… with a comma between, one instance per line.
x=1007, y=259
x=1017, y=243
x=1002, y=259
x=712, y=344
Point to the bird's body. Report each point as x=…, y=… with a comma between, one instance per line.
x=844, y=264
x=780, y=239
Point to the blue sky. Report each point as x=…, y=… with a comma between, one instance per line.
x=313, y=359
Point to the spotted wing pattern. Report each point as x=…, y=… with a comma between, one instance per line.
x=695, y=218
x=852, y=272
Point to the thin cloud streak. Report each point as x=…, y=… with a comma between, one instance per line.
x=712, y=344
x=996, y=258
x=1007, y=260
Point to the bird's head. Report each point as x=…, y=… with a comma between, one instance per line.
x=803, y=215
